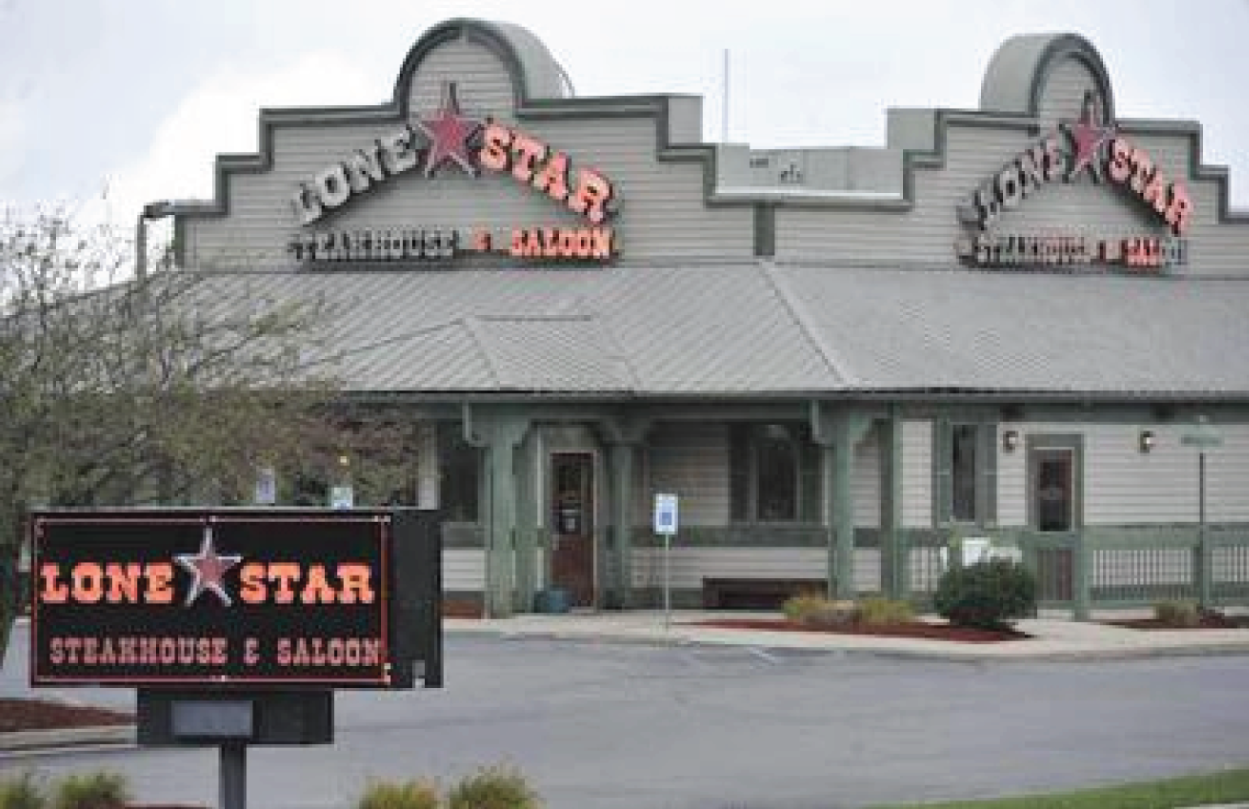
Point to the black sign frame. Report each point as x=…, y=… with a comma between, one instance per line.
x=233, y=598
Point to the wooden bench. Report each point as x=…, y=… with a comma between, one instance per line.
x=756, y=594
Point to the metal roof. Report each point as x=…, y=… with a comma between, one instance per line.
x=1029, y=331
x=763, y=329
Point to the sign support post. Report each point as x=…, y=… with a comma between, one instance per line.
x=232, y=777
x=666, y=526
x=1203, y=436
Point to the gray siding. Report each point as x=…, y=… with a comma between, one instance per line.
x=1063, y=96
x=1012, y=472
x=690, y=565
x=692, y=461
x=1123, y=486
x=463, y=570
x=663, y=212
x=917, y=474
x=865, y=488
x=479, y=75
x=926, y=234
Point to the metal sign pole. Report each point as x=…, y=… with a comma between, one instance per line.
x=1203, y=436
x=233, y=776
x=1203, y=556
x=666, y=526
x=667, y=582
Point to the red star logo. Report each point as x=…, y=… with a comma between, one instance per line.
x=449, y=133
x=1088, y=136
x=208, y=568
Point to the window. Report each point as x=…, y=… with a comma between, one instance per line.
x=965, y=465
x=774, y=473
x=963, y=472
x=1053, y=489
x=459, y=465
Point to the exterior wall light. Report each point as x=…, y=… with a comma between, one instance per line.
x=1010, y=440
x=1146, y=441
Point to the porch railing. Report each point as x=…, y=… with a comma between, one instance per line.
x=1110, y=568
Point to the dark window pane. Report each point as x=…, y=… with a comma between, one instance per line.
x=458, y=469
x=963, y=472
x=810, y=505
x=739, y=472
x=1054, y=493
x=778, y=473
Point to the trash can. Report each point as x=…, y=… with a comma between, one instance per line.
x=553, y=600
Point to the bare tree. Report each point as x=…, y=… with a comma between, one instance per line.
x=172, y=388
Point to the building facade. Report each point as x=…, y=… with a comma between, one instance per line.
x=1016, y=322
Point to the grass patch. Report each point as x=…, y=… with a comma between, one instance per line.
x=1224, y=786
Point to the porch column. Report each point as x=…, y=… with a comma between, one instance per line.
x=623, y=436
x=526, y=526
x=499, y=433
x=622, y=463
x=894, y=554
x=837, y=432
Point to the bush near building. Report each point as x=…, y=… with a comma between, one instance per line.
x=815, y=610
x=986, y=595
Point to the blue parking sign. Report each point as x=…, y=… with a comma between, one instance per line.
x=665, y=514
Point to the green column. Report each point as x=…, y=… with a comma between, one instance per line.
x=1082, y=560
x=837, y=432
x=526, y=535
x=893, y=553
x=843, y=511
x=499, y=433
x=622, y=456
x=828, y=508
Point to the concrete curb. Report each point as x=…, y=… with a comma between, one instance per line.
x=28, y=742
x=880, y=647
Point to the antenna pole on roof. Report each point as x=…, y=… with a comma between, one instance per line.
x=724, y=123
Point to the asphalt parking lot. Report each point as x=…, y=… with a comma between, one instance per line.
x=598, y=724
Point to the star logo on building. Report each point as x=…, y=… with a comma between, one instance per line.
x=1088, y=136
x=449, y=133
x=208, y=567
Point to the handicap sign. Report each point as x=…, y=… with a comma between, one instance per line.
x=666, y=514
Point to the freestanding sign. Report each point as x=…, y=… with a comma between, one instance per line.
x=236, y=625
x=666, y=526
x=216, y=598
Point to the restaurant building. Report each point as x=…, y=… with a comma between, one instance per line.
x=1005, y=322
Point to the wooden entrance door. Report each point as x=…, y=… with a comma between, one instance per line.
x=572, y=524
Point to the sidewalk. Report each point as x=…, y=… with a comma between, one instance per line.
x=1052, y=638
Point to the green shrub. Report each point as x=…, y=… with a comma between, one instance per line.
x=94, y=790
x=987, y=594
x=22, y=792
x=1177, y=613
x=497, y=787
x=797, y=607
x=816, y=610
x=878, y=611
x=408, y=795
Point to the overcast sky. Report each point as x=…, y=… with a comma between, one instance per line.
x=137, y=96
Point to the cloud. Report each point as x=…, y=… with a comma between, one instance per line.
x=220, y=116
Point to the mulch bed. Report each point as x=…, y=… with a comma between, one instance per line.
x=1207, y=621
x=916, y=629
x=39, y=714
x=460, y=608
